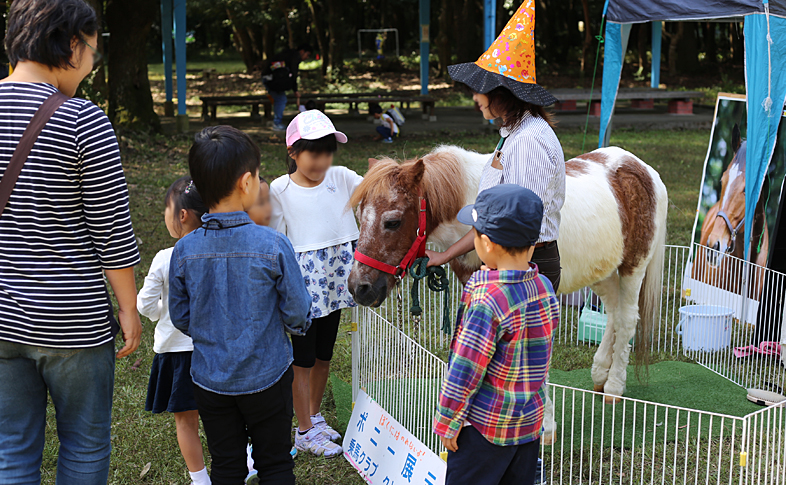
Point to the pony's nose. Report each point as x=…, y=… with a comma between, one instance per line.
x=368, y=294
x=716, y=246
x=362, y=293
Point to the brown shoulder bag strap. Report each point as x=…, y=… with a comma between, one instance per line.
x=30, y=135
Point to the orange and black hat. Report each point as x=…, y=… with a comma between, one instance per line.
x=509, y=62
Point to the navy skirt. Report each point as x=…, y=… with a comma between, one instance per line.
x=171, y=388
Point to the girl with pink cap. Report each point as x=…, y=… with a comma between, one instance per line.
x=310, y=207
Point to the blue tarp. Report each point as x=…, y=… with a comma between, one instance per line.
x=762, y=128
x=762, y=125
x=633, y=11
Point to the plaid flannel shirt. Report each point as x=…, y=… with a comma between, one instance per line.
x=499, y=357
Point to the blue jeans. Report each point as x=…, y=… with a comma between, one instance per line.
x=384, y=131
x=279, y=103
x=80, y=382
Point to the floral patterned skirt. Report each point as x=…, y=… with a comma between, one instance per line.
x=325, y=272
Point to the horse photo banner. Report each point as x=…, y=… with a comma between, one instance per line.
x=719, y=229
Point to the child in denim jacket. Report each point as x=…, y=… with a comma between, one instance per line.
x=236, y=290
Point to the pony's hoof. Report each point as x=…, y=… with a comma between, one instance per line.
x=548, y=439
x=609, y=399
x=598, y=388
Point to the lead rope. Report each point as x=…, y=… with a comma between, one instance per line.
x=437, y=280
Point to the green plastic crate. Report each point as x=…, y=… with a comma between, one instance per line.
x=592, y=323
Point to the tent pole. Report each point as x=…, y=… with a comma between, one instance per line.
x=425, y=16
x=180, y=59
x=657, y=35
x=490, y=25
x=166, y=48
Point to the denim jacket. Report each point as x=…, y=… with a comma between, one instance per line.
x=236, y=289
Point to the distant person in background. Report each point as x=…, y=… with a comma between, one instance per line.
x=280, y=76
x=388, y=129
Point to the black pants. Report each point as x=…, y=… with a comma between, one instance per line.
x=318, y=342
x=547, y=259
x=479, y=462
x=265, y=417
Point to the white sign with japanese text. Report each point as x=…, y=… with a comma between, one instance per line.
x=386, y=453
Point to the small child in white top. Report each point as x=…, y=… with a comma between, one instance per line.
x=170, y=388
x=388, y=129
x=310, y=208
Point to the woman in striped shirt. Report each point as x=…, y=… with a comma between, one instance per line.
x=528, y=154
x=66, y=225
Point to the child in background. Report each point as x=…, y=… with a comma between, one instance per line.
x=260, y=211
x=170, y=388
x=310, y=207
x=388, y=129
x=236, y=289
x=490, y=412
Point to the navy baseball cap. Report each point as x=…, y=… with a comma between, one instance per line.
x=510, y=215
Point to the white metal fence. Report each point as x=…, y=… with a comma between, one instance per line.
x=400, y=364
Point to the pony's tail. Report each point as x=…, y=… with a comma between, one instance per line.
x=650, y=301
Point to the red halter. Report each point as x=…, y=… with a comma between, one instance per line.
x=418, y=249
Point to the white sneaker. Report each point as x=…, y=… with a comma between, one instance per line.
x=319, y=422
x=317, y=443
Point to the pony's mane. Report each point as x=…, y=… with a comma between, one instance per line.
x=444, y=183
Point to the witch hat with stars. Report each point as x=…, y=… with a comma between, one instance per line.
x=509, y=62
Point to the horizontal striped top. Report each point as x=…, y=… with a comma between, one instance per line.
x=67, y=220
x=532, y=158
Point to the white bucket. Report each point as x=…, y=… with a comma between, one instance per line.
x=705, y=327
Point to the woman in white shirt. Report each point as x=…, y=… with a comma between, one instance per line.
x=528, y=154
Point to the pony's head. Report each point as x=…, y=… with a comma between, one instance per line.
x=387, y=209
x=727, y=230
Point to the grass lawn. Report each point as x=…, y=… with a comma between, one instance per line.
x=152, y=163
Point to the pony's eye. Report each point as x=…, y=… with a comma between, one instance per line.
x=392, y=225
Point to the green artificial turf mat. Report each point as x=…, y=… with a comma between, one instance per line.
x=342, y=396
x=680, y=384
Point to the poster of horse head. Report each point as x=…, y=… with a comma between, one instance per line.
x=717, y=270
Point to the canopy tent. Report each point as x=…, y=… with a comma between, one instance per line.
x=765, y=22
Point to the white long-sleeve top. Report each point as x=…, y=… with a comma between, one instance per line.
x=315, y=217
x=532, y=158
x=153, y=302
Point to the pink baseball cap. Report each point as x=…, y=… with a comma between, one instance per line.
x=312, y=125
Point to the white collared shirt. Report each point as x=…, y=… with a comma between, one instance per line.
x=532, y=158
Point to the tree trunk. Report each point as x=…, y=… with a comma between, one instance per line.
x=687, y=50
x=336, y=33
x=290, y=36
x=443, y=39
x=642, y=47
x=586, y=47
x=737, y=45
x=319, y=32
x=130, y=100
x=99, y=79
x=244, y=41
x=710, y=44
x=674, y=40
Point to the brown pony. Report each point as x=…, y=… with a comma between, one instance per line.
x=612, y=235
x=723, y=232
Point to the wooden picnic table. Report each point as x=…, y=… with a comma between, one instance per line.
x=680, y=102
x=210, y=104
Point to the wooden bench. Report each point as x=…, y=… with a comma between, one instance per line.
x=680, y=102
x=210, y=104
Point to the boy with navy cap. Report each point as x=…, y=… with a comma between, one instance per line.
x=490, y=412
